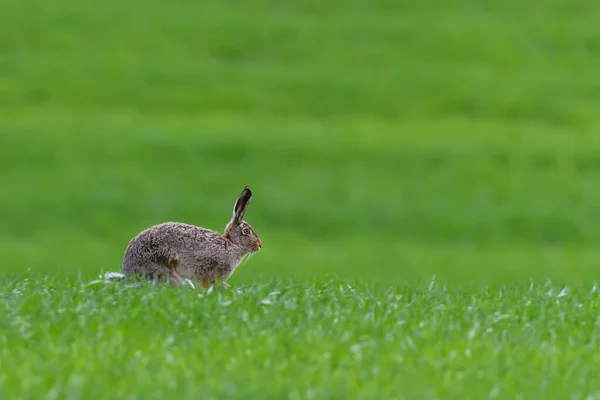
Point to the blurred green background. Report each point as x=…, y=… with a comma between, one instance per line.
x=387, y=141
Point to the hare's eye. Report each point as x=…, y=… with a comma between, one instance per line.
x=246, y=231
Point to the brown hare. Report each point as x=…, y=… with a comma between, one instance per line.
x=180, y=253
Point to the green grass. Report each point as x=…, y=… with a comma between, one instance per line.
x=386, y=143
x=298, y=340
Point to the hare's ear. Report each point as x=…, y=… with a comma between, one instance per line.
x=241, y=205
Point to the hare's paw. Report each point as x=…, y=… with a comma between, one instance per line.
x=190, y=283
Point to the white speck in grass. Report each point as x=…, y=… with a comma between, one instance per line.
x=53, y=393
x=594, y=288
x=411, y=344
x=431, y=284
x=224, y=302
x=564, y=292
x=356, y=350
x=473, y=331
x=494, y=392
x=499, y=317
x=266, y=302
x=290, y=304
x=24, y=326
x=345, y=337
x=76, y=380
x=294, y=396
x=169, y=358
x=95, y=282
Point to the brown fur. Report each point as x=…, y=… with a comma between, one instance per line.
x=177, y=251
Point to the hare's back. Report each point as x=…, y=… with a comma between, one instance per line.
x=180, y=234
x=171, y=236
x=167, y=241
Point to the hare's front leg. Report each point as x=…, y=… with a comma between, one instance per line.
x=206, y=283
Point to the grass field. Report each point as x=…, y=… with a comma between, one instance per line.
x=298, y=340
x=387, y=144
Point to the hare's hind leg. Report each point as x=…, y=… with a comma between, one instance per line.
x=174, y=278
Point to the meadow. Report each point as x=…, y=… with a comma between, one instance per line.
x=290, y=339
x=388, y=145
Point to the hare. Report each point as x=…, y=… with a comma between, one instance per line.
x=180, y=253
